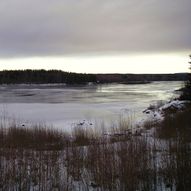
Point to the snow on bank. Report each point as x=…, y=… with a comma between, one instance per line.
x=156, y=113
x=173, y=105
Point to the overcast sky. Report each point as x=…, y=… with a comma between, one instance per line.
x=80, y=32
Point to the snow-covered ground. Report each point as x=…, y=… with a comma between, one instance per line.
x=157, y=112
x=64, y=107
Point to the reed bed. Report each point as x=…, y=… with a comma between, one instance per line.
x=41, y=158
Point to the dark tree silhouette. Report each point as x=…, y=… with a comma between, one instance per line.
x=186, y=95
x=58, y=76
x=43, y=76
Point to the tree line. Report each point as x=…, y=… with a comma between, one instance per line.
x=57, y=76
x=44, y=76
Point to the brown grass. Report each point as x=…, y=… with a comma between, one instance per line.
x=41, y=158
x=38, y=137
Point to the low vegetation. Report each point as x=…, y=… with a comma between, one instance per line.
x=40, y=158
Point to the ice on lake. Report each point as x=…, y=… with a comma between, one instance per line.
x=65, y=106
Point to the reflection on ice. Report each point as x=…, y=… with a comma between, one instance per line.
x=64, y=106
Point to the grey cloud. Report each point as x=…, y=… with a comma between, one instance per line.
x=58, y=27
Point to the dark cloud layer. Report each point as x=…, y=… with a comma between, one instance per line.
x=59, y=27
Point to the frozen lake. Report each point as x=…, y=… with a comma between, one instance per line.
x=64, y=107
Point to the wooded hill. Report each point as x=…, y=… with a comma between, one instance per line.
x=58, y=76
x=44, y=77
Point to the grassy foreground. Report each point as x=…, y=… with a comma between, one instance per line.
x=43, y=159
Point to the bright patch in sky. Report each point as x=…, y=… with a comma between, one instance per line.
x=154, y=63
x=96, y=36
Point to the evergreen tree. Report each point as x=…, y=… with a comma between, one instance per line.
x=186, y=95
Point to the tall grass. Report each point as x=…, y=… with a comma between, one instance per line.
x=38, y=137
x=41, y=158
x=176, y=125
x=175, y=130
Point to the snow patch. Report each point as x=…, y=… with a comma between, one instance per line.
x=155, y=113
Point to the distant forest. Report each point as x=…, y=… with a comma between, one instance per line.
x=140, y=78
x=43, y=77
x=58, y=76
